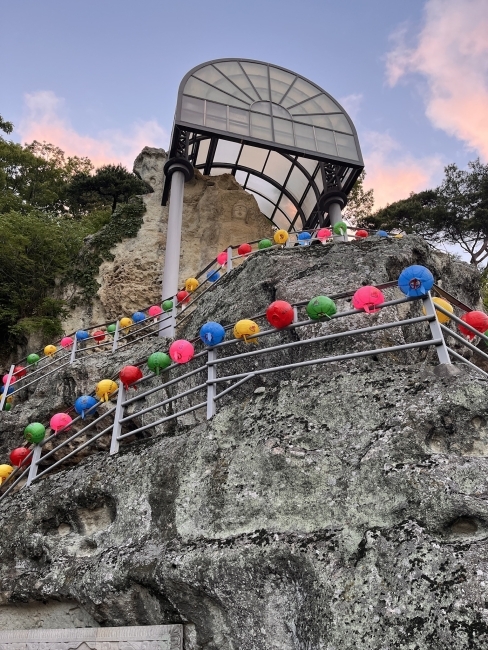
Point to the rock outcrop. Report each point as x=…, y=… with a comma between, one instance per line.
x=217, y=213
x=324, y=508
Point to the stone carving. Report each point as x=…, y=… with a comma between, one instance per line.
x=150, y=637
x=216, y=212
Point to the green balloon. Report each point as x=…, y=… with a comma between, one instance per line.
x=7, y=406
x=111, y=328
x=158, y=361
x=167, y=305
x=264, y=243
x=340, y=228
x=321, y=307
x=32, y=359
x=34, y=432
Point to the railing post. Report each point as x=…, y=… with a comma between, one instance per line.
x=211, y=388
x=73, y=350
x=116, y=336
x=435, y=329
x=6, y=386
x=119, y=414
x=229, y=259
x=36, y=455
x=295, y=314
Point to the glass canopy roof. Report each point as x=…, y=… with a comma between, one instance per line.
x=284, y=139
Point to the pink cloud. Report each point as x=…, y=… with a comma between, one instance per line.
x=393, y=175
x=451, y=54
x=44, y=120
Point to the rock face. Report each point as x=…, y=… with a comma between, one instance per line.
x=333, y=507
x=217, y=212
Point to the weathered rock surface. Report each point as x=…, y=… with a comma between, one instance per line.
x=217, y=212
x=344, y=506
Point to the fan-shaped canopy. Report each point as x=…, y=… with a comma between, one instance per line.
x=284, y=139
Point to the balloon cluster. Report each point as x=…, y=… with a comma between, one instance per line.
x=414, y=281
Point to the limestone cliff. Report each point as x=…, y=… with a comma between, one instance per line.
x=217, y=212
x=339, y=507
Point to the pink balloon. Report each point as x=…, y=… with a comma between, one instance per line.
x=323, y=234
x=368, y=298
x=154, y=311
x=222, y=258
x=60, y=421
x=66, y=342
x=181, y=351
x=12, y=379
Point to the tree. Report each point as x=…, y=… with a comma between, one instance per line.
x=109, y=185
x=6, y=127
x=359, y=202
x=456, y=212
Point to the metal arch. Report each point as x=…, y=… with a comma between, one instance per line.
x=264, y=177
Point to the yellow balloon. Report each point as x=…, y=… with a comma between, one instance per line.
x=191, y=284
x=49, y=350
x=5, y=471
x=126, y=322
x=280, y=237
x=246, y=328
x=442, y=318
x=398, y=236
x=104, y=389
x=9, y=399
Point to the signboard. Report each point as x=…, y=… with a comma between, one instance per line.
x=146, y=637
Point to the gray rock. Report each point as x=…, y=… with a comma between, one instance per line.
x=346, y=507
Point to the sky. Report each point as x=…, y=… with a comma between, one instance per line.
x=99, y=78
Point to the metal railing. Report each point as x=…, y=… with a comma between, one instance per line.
x=122, y=421
x=152, y=326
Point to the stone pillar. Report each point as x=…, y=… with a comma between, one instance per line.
x=177, y=171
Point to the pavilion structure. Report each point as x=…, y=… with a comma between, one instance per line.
x=285, y=139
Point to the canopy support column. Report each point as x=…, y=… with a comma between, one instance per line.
x=333, y=202
x=178, y=171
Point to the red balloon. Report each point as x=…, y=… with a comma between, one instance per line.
x=181, y=351
x=368, y=298
x=129, y=375
x=244, y=249
x=183, y=297
x=20, y=371
x=154, y=311
x=361, y=234
x=98, y=335
x=18, y=456
x=222, y=258
x=324, y=233
x=477, y=319
x=280, y=314
x=60, y=421
x=13, y=379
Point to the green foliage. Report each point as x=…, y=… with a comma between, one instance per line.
x=108, y=186
x=124, y=222
x=456, y=212
x=42, y=232
x=6, y=127
x=359, y=202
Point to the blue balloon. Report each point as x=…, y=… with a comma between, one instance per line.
x=138, y=317
x=415, y=280
x=10, y=390
x=382, y=233
x=84, y=404
x=213, y=276
x=303, y=238
x=212, y=333
x=81, y=335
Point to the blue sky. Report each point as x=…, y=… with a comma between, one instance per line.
x=100, y=77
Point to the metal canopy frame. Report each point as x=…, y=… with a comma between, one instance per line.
x=223, y=105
